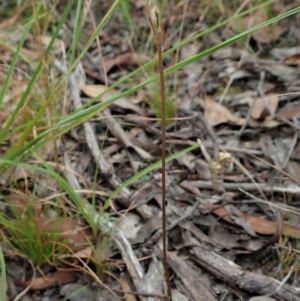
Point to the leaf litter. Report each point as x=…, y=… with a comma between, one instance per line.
x=238, y=238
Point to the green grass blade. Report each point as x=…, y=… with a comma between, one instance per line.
x=77, y=30
x=48, y=170
x=20, y=148
x=85, y=113
x=94, y=35
x=14, y=61
x=31, y=84
x=79, y=116
x=74, y=196
x=203, y=54
x=3, y=276
x=125, y=5
x=185, y=42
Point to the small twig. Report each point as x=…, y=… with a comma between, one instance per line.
x=284, y=281
x=259, y=88
x=189, y=212
x=204, y=151
x=139, y=294
x=247, y=186
x=291, y=150
x=281, y=207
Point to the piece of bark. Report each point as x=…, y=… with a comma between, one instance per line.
x=235, y=276
x=192, y=282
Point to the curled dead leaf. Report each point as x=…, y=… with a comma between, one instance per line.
x=128, y=58
x=260, y=109
x=289, y=112
x=94, y=90
x=260, y=225
x=53, y=279
x=84, y=253
x=216, y=113
x=126, y=288
x=268, y=123
x=12, y=20
x=266, y=34
x=269, y=33
x=293, y=60
x=32, y=54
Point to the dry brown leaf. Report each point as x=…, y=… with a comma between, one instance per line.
x=260, y=110
x=293, y=60
x=239, y=219
x=128, y=58
x=216, y=113
x=139, y=138
x=57, y=45
x=264, y=35
x=126, y=288
x=260, y=225
x=94, y=90
x=84, y=253
x=268, y=123
x=57, y=278
x=289, y=112
x=139, y=97
x=32, y=54
x=11, y=21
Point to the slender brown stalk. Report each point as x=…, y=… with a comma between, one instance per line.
x=163, y=166
x=153, y=16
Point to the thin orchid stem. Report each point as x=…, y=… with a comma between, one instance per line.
x=163, y=160
x=154, y=20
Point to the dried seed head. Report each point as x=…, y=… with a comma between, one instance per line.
x=225, y=159
x=216, y=170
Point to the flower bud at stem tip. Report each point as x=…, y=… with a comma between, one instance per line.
x=155, y=18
